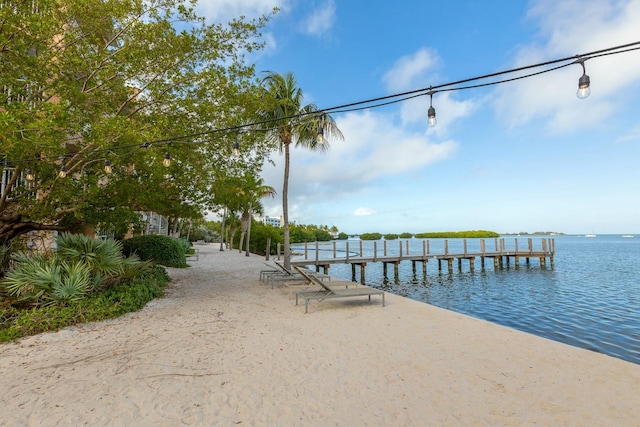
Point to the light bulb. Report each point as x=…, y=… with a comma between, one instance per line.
x=431, y=113
x=584, y=89
x=167, y=159
x=107, y=166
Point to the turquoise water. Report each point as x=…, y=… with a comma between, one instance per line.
x=589, y=299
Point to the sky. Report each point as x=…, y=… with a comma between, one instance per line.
x=523, y=156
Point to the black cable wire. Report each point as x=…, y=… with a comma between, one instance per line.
x=375, y=102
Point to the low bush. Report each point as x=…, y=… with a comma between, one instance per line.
x=114, y=302
x=159, y=249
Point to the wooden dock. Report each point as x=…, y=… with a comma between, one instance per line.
x=500, y=254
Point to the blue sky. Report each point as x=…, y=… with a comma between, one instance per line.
x=522, y=156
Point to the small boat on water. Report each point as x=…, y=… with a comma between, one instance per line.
x=590, y=235
x=628, y=235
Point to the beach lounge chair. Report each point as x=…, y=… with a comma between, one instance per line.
x=327, y=292
x=282, y=274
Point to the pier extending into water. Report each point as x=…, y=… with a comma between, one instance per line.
x=501, y=254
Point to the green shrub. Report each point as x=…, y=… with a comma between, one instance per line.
x=114, y=302
x=159, y=249
x=390, y=236
x=80, y=265
x=370, y=236
x=185, y=244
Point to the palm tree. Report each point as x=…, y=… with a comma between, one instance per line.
x=253, y=190
x=291, y=122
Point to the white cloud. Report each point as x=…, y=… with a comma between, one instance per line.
x=375, y=150
x=410, y=72
x=571, y=27
x=364, y=212
x=224, y=10
x=320, y=20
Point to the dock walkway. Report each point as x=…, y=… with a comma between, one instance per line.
x=501, y=255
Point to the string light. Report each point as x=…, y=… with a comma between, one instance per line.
x=107, y=166
x=431, y=113
x=320, y=137
x=584, y=83
x=30, y=176
x=63, y=171
x=236, y=146
x=583, y=91
x=167, y=159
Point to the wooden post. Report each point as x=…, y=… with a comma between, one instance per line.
x=446, y=247
x=347, y=250
x=459, y=264
x=413, y=267
x=530, y=244
x=334, y=249
x=268, y=248
x=317, y=254
x=396, y=266
x=472, y=263
x=424, y=268
x=384, y=269
x=450, y=262
x=278, y=250
x=465, y=247
x=400, y=244
x=362, y=274
x=305, y=251
x=407, y=246
x=360, y=248
x=428, y=248
x=385, y=247
x=375, y=251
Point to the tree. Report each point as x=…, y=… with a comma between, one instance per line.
x=289, y=121
x=121, y=81
x=253, y=190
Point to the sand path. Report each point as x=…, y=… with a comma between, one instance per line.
x=224, y=349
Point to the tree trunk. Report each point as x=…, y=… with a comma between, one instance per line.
x=285, y=208
x=12, y=226
x=248, y=230
x=222, y=235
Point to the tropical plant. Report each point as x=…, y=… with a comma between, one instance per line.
x=79, y=266
x=291, y=122
x=38, y=279
x=254, y=190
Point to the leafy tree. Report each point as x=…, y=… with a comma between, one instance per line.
x=83, y=85
x=291, y=122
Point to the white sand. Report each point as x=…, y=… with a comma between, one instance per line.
x=223, y=349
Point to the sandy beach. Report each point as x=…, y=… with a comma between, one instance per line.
x=222, y=349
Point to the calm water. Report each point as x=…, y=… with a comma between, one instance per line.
x=589, y=299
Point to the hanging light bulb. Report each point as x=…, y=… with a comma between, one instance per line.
x=236, y=147
x=30, y=176
x=63, y=172
x=584, y=83
x=167, y=159
x=107, y=166
x=431, y=112
x=320, y=137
